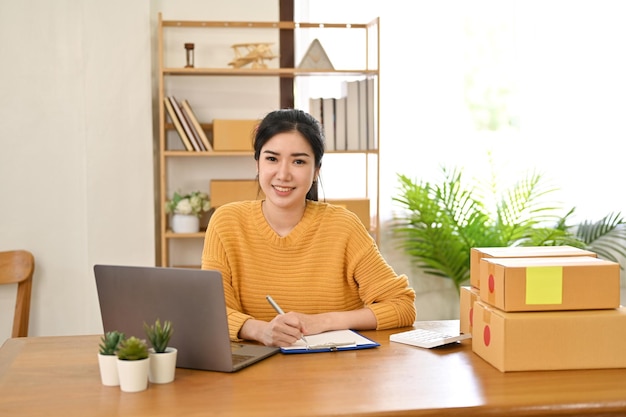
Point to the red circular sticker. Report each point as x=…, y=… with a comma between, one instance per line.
x=487, y=336
x=492, y=283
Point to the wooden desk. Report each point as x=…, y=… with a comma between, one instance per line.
x=59, y=376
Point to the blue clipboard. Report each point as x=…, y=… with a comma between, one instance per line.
x=332, y=341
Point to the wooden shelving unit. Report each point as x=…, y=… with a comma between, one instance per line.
x=166, y=71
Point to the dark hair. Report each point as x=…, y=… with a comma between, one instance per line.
x=290, y=120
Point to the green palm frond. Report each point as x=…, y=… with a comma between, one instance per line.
x=605, y=237
x=433, y=214
x=523, y=207
x=440, y=223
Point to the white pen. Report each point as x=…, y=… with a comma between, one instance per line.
x=280, y=311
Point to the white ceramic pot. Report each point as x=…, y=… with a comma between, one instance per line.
x=185, y=223
x=108, y=370
x=162, y=366
x=133, y=374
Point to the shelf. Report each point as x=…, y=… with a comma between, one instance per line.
x=216, y=154
x=267, y=72
x=262, y=25
x=171, y=235
x=174, y=248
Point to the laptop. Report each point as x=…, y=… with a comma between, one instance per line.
x=192, y=299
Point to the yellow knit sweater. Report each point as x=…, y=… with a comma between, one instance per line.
x=328, y=262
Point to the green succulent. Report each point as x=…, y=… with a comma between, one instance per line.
x=441, y=222
x=159, y=335
x=110, y=341
x=132, y=349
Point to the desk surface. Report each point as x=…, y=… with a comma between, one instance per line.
x=59, y=376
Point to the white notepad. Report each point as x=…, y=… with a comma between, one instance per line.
x=334, y=340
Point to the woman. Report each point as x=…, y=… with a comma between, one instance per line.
x=316, y=260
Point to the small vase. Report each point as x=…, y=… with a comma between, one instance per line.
x=108, y=370
x=133, y=374
x=162, y=366
x=185, y=223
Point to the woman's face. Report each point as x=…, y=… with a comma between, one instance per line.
x=286, y=169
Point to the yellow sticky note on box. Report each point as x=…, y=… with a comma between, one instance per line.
x=544, y=285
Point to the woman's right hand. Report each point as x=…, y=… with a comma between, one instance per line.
x=283, y=330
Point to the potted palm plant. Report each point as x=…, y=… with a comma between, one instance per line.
x=162, y=357
x=441, y=222
x=107, y=359
x=133, y=364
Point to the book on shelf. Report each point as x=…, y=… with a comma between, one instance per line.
x=195, y=124
x=362, y=114
x=352, y=115
x=179, y=128
x=340, y=124
x=315, y=108
x=372, y=142
x=193, y=133
x=328, y=122
x=192, y=130
x=181, y=118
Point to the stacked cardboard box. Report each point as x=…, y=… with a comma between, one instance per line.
x=471, y=293
x=547, y=312
x=468, y=295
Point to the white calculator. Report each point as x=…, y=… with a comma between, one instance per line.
x=429, y=334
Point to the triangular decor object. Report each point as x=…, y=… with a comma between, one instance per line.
x=316, y=58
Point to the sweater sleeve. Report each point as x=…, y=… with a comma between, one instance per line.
x=214, y=257
x=387, y=294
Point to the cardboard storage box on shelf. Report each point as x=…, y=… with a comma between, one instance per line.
x=467, y=296
x=227, y=191
x=233, y=135
x=540, y=284
x=476, y=254
x=549, y=340
x=359, y=206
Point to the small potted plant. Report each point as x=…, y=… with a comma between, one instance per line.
x=107, y=359
x=186, y=211
x=162, y=356
x=133, y=364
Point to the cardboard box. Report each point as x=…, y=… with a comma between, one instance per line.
x=541, y=284
x=468, y=295
x=359, y=206
x=476, y=254
x=233, y=135
x=227, y=191
x=549, y=340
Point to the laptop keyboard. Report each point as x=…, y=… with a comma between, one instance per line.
x=237, y=359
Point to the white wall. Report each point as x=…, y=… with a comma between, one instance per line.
x=76, y=181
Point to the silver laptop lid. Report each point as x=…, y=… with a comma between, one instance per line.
x=192, y=299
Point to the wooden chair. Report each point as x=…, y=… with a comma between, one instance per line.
x=17, y=267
